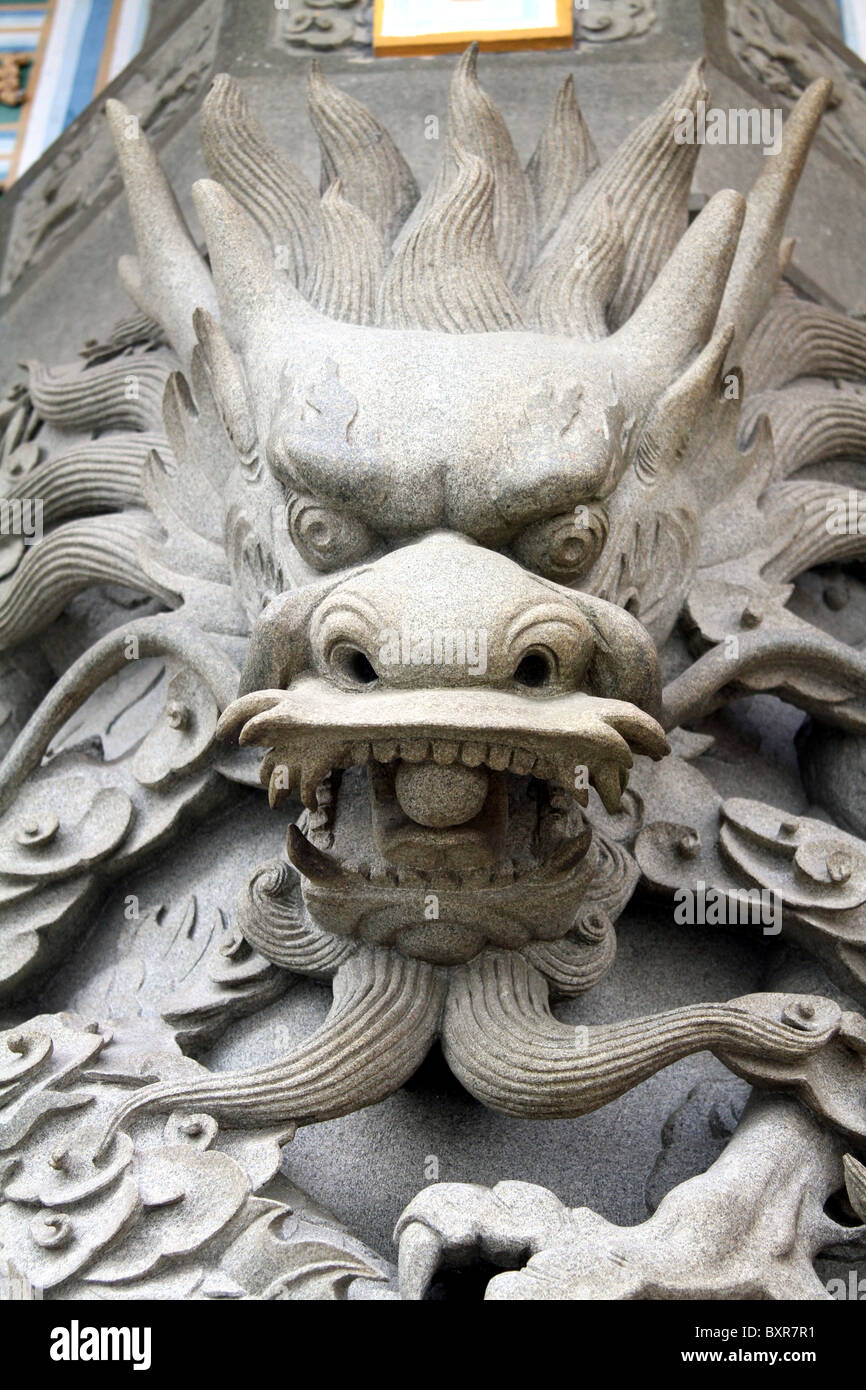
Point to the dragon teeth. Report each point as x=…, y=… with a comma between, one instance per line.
x=414, y=750
x=445, y=752
x=282, y=782
x=289, y=771
x=522, y=761
x=473, y=754
x=385, y=750
x=312, y=775
x=266, y=768
x=607, y=782
x=309, y=861
x=570, y=851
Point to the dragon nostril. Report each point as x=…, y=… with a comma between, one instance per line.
x=533, y=670
x=356, y=666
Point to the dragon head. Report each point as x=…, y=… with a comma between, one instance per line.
x=464, y=516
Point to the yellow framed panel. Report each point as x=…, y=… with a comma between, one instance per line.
x=391, y=39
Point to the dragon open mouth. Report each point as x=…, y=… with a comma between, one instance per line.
x=440, y=820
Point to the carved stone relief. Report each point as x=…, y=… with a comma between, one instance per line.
x=160, y=86
x=458, y=516
x=320, y=25
x=784, y=54
x=605, y=21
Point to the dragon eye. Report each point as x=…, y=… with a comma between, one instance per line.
x=326, y=538
x=564, y=547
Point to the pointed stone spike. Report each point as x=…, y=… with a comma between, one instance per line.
x=228, y=381
x=276, y=195
x=676, y=318
x=605, y=779
x=357, y=150
x=446, y=274
x=350, y=262
x=755, y=272
x=171, y=279
x=648, y=180
x=569, y=293
x=476, y=127
x=476, y=123
x=564, y=158
x=284, y=781
x=314, y=769
x=666, y=435
x=249, y=288
x=309, y=861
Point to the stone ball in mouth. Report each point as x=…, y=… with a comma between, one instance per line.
x=439, y=796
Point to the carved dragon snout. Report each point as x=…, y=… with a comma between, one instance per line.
x=447, y=654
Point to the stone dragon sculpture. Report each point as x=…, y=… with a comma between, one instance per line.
x=428, y=489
